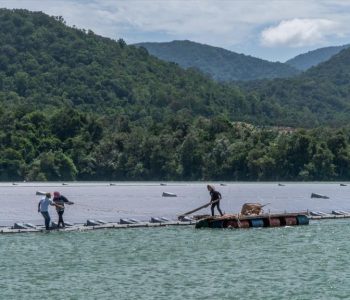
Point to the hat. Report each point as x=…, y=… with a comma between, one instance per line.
x=56, y=194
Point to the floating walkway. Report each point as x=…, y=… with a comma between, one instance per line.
x=327, y=216
x=227, y=221
x=23, y=228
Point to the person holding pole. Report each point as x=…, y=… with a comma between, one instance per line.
x=60, y=200
x=215, y=199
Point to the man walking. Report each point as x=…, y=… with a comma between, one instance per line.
x=215, y=199
x=43, y=208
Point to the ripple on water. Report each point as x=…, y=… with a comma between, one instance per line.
x=306, y=262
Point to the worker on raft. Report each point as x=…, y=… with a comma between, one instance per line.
x=60, y=200
x=43, y=208
x=215, y=199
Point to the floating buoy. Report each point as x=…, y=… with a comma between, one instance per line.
x=166, y=194
x=92, y=223
x=156, y=220
x=19, y=226
x=314, y=195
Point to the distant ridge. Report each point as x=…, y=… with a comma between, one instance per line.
x=312, y=58
x=220, y=64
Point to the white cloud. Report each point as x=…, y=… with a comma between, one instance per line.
x=299, y=32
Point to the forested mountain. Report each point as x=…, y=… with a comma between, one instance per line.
x=75, y=105
x=312, y=58
x=220, y=64
x=322, y=91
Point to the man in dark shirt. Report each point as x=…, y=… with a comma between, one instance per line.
x=60, y=200
x=215, y=199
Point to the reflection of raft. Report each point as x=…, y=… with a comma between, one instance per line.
x=267, y=220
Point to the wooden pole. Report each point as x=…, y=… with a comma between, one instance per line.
x=197, y=209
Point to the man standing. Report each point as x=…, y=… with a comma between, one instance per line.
x=215, y=199
x=43, y=208
x=60, y=200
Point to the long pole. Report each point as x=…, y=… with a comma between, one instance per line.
x=196, y=209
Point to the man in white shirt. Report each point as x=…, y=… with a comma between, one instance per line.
x=43, y=208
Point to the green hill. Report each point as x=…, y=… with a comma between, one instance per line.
x=75, y=105
x=322, y=92
x=312, y=58
x=220, y=64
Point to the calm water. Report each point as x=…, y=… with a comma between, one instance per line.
x=306, y=262
x=144, y=200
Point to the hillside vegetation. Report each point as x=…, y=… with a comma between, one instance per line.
x=218, y=63
x=322, y=92
x=75, y=105
x=312, y=58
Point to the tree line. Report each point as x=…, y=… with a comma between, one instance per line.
x=68, y=144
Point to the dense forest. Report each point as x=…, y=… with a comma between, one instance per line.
x=322, y=92
x=218, y=63
x=77, y=106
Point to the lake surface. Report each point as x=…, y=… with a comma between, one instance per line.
x=144, y=200
x=302, y=262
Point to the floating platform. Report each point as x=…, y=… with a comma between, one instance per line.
x=265, y=220
x=21, y=228
x=335, y=214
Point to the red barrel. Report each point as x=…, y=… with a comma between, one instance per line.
x=274, y=222
x=231, y=224
x=243, y=224
x=290, y=221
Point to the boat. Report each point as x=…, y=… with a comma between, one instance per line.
x=265, y=220
x=343, y=184
x=314, y=195
x=163, y=184
x=166, y=194
x=281, y=184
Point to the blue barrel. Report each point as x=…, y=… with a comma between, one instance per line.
x=302, y=220
x=257, y=222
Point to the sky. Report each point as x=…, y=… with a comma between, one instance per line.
x=275, y=30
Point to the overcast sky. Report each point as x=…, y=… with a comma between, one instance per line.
x=271, y=29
